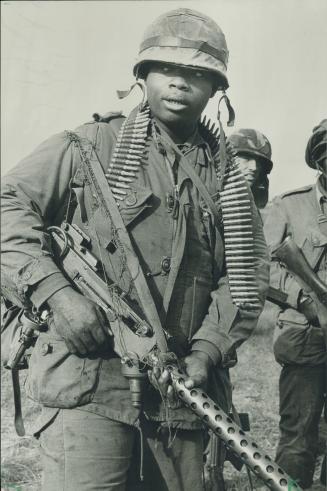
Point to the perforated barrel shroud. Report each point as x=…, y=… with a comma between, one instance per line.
x=233, y=436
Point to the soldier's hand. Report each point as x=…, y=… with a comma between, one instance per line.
x=197, y=366
x=79, y=321
x=307, y=307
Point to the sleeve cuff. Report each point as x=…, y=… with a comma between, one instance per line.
x=47, y=287
x=209, y=348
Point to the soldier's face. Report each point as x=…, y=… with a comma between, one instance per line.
x=178, y=95
x=249, y=167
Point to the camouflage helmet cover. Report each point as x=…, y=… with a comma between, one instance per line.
x=185, y=37
x=252, y=143
x=317, y=145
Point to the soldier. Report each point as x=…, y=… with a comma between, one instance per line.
x=164, y=171
x=253, y=152
x=299, y=344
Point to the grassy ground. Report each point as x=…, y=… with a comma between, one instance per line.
x=255, y=381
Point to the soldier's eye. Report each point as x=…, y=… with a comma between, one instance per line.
x=199, y=74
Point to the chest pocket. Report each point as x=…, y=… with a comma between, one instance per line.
x=137, y=202
x=314, y=246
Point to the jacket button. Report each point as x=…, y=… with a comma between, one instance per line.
x=165, y=264
x=131, y=199
x=170, y=202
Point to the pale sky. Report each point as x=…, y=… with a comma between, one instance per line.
x=63, y=61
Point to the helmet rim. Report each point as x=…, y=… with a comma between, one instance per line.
x=267, y=161
x=187, y=57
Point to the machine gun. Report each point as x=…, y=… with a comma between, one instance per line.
x=296, y=263
x=134, y=342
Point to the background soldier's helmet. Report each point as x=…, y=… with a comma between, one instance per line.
x=316, y=149
x=185, y=37
x=252, y=143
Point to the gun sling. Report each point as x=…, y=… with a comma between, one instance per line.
x=97, y=177
x=196, y=180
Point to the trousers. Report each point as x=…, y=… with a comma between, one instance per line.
x=85, y=451
x=302, y=394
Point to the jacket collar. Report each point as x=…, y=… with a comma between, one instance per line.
x=195, y=147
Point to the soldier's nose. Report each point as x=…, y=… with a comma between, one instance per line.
x=179, y=82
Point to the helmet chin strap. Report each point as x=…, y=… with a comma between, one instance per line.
x=222, y=137
x=230, y=109
x=139, y=83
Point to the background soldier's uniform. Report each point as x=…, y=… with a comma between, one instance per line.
x=299, y=346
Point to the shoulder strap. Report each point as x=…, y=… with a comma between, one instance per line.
x=197, y=181
x=19, y=423
x=96, y=175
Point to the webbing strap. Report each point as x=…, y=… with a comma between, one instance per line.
x=197, y=181
x=19, y=423
x=96, y=175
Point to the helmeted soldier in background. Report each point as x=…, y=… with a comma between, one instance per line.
x=164, y=169
x=253, y=152
x=299, y=343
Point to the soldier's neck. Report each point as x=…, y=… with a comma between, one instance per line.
x=179, y=134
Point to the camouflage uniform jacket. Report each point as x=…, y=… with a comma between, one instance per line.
x=191, y=293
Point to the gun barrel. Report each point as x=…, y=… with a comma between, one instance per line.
x=292, y=256
x=233, y=436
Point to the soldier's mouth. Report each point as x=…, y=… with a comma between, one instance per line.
x=175, y=103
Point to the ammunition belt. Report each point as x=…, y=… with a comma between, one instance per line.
x=237, y=222
x=129, y=153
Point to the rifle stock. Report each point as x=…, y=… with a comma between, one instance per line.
x=293, y=258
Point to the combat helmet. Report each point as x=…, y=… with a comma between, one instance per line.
x=316, y=149
x=252, y=143
x=185, y=37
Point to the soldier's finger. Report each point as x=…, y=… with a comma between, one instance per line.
x=99, y=336
x=153, y=380
x=156, y=372
x=71, y=347
x=171, y=395
x=79, y=345
x=89, y=341
x=190, y=383
x=164, y=377
x=197, y=380
x=103, y=322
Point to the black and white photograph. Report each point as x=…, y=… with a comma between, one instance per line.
x=163, y=245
